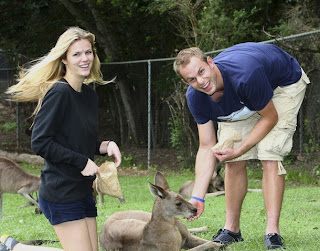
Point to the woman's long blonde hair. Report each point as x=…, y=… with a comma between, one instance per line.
x=34, y=82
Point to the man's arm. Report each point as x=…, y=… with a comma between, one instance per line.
x=205, y=164
x=268, y=119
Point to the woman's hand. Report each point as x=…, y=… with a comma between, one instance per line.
x=90, y=169
x=112, y=149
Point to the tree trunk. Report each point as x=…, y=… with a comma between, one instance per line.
x=108, y=43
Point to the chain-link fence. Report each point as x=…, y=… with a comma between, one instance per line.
x=155, y=97
x=137, y=109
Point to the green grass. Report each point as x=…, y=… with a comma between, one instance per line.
x=300, y=218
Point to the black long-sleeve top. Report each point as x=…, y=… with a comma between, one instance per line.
x=65, y=134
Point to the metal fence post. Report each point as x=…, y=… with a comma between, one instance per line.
x=18, y=124
x=149, y=112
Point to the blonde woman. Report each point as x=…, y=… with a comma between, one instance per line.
x=65, y=134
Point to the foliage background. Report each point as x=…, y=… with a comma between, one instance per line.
x=129, y=30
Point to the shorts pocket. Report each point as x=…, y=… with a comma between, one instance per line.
x=281, y=139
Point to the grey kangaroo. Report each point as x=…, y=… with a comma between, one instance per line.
x=160, y=230
x=216, y=184
x=13, y=179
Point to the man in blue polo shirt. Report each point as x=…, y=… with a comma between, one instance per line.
x=255, y=90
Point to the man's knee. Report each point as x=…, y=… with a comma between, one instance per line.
x=236, y=167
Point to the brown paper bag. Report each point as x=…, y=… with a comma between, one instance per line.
x=107, y=180
x=227, y=140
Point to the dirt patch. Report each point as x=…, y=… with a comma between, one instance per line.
x=160, y=158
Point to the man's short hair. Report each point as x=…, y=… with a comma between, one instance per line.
x=183, y=57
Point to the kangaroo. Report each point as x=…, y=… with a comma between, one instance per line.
x=13, y=179
x=159, y=231
x=216, y=184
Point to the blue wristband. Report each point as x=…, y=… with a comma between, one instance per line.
x=197, y=198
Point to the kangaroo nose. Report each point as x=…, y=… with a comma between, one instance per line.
x=194, y=210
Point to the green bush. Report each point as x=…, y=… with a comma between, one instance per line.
x=8, y=127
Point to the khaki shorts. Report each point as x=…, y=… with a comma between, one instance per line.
x=278, y=142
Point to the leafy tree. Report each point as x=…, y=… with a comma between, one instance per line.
x=124, y=29
x=31, y=27
x=216, y=24
x=298, y=17
x=141, y=29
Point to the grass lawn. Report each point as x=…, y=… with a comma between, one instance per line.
x=300, y=218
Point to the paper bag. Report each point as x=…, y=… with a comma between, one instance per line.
x=107, y=180
x=227, y=140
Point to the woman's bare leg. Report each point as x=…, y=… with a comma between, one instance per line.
x=76, y=235
x=93, y=232
x=23, y=247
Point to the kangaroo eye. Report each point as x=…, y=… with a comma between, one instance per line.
x=178, y=204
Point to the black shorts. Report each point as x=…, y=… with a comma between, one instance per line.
x=58, y=213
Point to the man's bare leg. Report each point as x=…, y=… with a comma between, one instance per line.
x=273, y=186
x=236, y=185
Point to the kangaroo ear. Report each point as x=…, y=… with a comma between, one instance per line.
x=161, y=181
x=218, y=168
x=157, y=191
